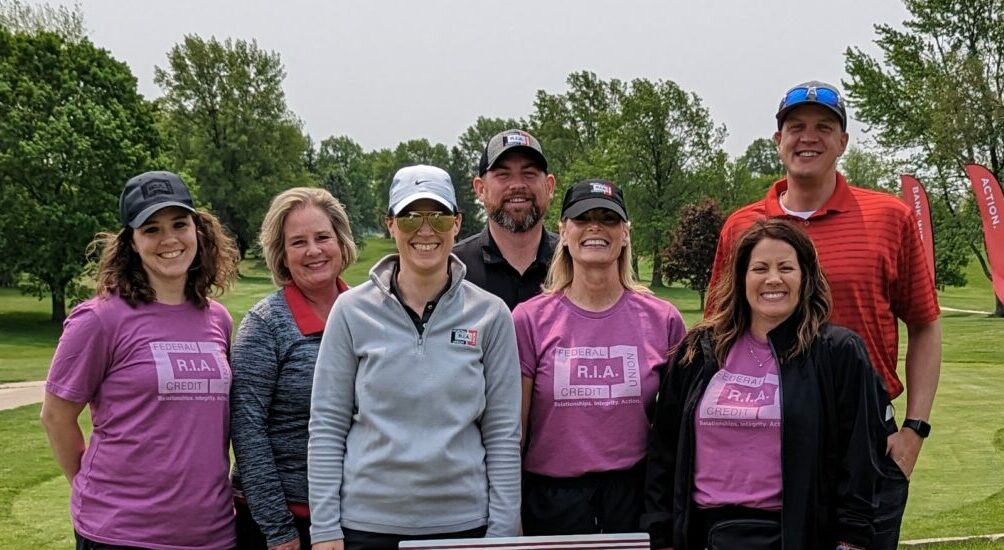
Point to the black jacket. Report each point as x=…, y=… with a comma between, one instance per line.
x=833, y=437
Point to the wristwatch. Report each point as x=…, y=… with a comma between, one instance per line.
x=922, y=428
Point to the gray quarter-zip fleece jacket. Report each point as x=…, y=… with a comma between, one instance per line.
x=415, y=434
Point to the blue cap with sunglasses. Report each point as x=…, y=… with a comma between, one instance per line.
x=813, y=92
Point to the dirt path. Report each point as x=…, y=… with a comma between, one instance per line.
x=954, y=310
x=19, y=394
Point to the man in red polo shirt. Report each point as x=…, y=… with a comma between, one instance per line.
x=871, y=252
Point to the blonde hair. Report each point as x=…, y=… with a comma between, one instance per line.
x=271, y=236
x=562, y=270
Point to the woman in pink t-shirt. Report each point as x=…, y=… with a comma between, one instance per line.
x=769, y=425
x=149, y=355
x=591, y=351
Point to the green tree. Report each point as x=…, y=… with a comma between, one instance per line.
x=576, y=129
x=462, y=175
x=691, y=252
x=228, y=126
x=73, y=129
x=664, y=139
x=345, y=170
x=952, y=237
x=737, y=182
x=870, y=169
x=652, y=138
x=17, y=16
x=761, y=159
x=938, y=94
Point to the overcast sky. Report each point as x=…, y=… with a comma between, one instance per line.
x=384, y=71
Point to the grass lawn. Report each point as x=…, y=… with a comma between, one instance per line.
x=27, y=338
x=957, y=488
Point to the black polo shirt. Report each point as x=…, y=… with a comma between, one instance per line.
x=489, y=270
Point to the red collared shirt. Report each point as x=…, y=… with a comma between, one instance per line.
x=871, y=252
x=306, y=320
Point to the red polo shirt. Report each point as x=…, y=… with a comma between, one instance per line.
x=306, y=320
x=871, y=252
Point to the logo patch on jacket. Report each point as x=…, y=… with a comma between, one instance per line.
x=464, y=337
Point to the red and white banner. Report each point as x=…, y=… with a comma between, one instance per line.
x=991, y=202
x=916, y=198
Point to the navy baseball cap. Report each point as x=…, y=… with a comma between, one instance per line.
x=149, y=192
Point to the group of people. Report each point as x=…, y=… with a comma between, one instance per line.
x=517, y=382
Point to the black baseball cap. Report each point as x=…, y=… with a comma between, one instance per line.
x=149, y=192
x=506, y=141
x=589, y=194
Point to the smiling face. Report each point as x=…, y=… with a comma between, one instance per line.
x=426, y=251
x=311, y=249
x=773, y=283
x=810, y=142
x=166, y=244
x=595, y=239
x=516, y=192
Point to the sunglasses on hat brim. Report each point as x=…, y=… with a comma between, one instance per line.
x=813, y=94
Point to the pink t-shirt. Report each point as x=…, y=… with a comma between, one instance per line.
x=594, y=379
x=738, y=429
x=155, y=472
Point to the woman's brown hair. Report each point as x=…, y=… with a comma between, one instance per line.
x=214, y=269
x=731, y=315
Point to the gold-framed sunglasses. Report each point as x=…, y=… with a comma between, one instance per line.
x=440, y=222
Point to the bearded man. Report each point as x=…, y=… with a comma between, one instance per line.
x=510, y=257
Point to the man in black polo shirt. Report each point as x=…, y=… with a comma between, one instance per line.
x=510, y=257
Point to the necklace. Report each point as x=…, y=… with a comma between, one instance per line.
x=754, y=356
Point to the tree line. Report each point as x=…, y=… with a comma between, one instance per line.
x=73, y=128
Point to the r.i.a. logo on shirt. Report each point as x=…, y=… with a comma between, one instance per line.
x=464, y=336
x=191, y=370
x=741, y=397
x=596, y=372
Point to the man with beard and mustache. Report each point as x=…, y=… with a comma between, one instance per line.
x=510, y=257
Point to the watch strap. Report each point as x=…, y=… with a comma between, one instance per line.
x=922, y=428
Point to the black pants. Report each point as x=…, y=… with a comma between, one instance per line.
x=250, y=537
x=84, y=543
x=599, y=502
x=88, y=544
x=365, y=540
